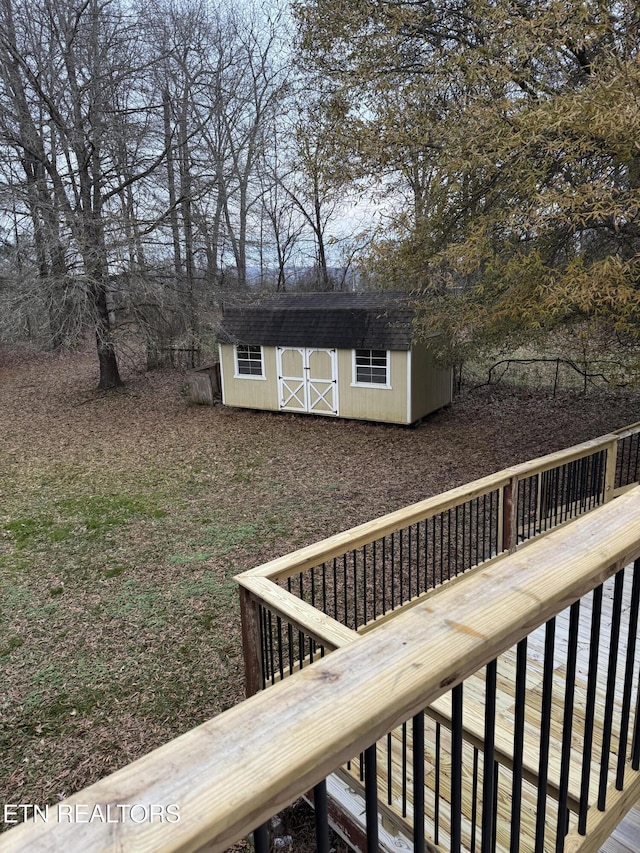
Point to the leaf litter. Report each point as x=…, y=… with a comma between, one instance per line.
x=125, y=515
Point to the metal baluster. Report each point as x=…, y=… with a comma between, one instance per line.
x=393, y=571
x=371, y=797
x=628, y=676
x=474, y=800
x=441, y=525
x=557, y=495
x=364, y=584
x=496, y=774
x=601, y=477
x=610, y=692
x=427, y=584
x=589, y=716
x=384, y=575
x=544, y=500
x=567, y=726
x=434, y=549
x=491, y=523
x=409, y=557
x=280, y=654
x=449, y=544
x=564, y=490
x=418, y=783
x=263, y=644
x=356, y=624
x=401, y=558
x=488, y=815
x=455, y=549
x=464, y=550
x=456, y=769
x=404, y=770
x=261, y=839
x=375, y=579
x=290, y=646
x=345, y=589
x=324, y=587
x=436, y=791
x=572, y=488
x=591, y=481
x=518, y=744
x=322, y=817
x=389, y=769
x=545, y=730
x=628, y=443
x=476, y=539
x=272, y=668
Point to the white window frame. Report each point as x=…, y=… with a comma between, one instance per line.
x=236, y=358
x=354, y=370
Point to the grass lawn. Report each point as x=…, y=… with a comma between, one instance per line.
x=124, y=517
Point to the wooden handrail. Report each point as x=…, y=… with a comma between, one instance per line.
x=232, y=773
x=313, y=622
x=625, y=432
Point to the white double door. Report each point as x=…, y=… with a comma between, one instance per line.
x=308, y=380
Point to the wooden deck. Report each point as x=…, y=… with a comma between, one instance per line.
x=395, y=783
x=626, y=838
x=233, y=772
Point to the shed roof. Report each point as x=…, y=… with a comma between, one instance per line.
x=341, y=320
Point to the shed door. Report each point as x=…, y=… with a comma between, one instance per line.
x=322, y=381
x=308, y=380
x=292, y=390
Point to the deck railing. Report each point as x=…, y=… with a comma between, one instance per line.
x=359, y=577
x=513, y=757
x=433, y=665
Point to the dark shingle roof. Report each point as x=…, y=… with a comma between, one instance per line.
x=340, y=320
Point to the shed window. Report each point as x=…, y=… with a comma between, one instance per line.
x=372, y=367
x=249, y=361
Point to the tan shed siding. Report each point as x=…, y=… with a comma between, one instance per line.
x=249, y=392
x=371, y=403
x=430, y=385
x=417, y=386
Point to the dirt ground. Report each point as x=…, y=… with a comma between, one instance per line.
x=125, y=515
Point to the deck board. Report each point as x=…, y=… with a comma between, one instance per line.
x=626, y=838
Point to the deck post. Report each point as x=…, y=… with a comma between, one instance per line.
x=251, y=646
x=610, y=470
x=509, y=520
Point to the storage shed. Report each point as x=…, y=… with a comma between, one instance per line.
x=348, y=355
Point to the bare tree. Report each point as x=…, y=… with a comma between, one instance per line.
x=69, y=69
x=320, y=172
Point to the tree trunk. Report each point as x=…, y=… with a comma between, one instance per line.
x=97, y=271
x=109, y=373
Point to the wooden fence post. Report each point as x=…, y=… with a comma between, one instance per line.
x=509, y=519
x=251, y=645
x=610, y=470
